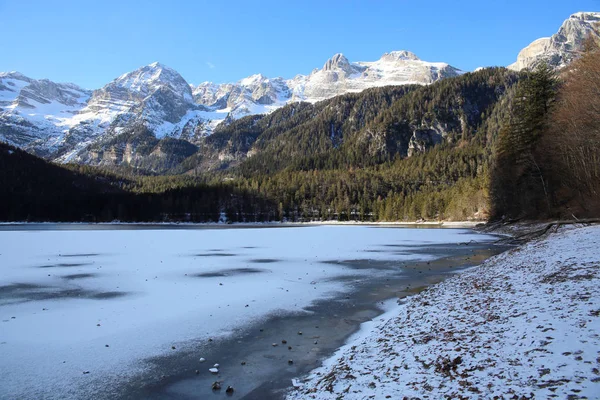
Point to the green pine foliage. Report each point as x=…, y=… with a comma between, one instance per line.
x=519, y=185
x=372, y=127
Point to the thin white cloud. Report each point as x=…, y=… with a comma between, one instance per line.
x=210, y=65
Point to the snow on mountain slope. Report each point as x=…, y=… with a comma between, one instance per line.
x=36, y=110
x=154, y=94
x=562, y=47
x=66, y=123
x=259, y=94
x=11, y=84
x=396, y=68
x=61, y=120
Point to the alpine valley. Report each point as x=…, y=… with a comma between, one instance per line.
x=152, y=118
x=406, y=138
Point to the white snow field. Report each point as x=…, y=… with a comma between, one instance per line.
x=525, y=324
x=82, y=308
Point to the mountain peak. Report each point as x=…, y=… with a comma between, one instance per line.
x=143, y=83
x=562, y=47
x=252, y=79
x=338, y=61
x=155, y=73
x=159, y=67
x=586, y=16
x=151, y=71
x=399, y=55
x=14, y=75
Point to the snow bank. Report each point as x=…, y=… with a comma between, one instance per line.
x=526, y=321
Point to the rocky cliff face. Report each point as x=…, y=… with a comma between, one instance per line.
x=423, y=139
x=155, y=96
x=33, y=112
x=561, y=48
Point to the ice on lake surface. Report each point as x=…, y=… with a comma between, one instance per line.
x=104, y=301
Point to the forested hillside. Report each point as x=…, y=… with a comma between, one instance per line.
x=547, y=161
x=393, y=153
x=356, y=130
x=35, y=190
x=424, y=156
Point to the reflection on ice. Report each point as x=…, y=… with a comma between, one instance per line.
x=78, y=276
x=80, y=255
x=230, y=272
x=64, y=265
x=215, y=254
x=25, y=292
x=264, y=260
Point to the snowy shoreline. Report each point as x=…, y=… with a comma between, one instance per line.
x=524, y=322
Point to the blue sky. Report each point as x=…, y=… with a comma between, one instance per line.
x=93, y=42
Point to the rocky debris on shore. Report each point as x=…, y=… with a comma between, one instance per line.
x=526, y=322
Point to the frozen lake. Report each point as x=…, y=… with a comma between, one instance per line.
x=85, y=309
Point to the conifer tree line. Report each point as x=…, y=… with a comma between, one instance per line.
x=547, y=159
x=523, y=145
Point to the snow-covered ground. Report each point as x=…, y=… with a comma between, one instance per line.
x=103, y=301
x=524, y=324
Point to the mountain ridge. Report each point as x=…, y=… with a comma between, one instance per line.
x=158, y=98
x=66, y=123
x=257, y=94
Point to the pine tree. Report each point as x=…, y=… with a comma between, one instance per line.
x=518, y=185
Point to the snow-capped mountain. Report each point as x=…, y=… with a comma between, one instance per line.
x=259, y=94
x=154, y=93
x=339, y=76
x=61, y=120
x=255, y=94
x=562, y=47
x=154, y=97
x=36, y=110
x=67, y=123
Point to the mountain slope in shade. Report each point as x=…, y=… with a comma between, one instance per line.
x=562, y=47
